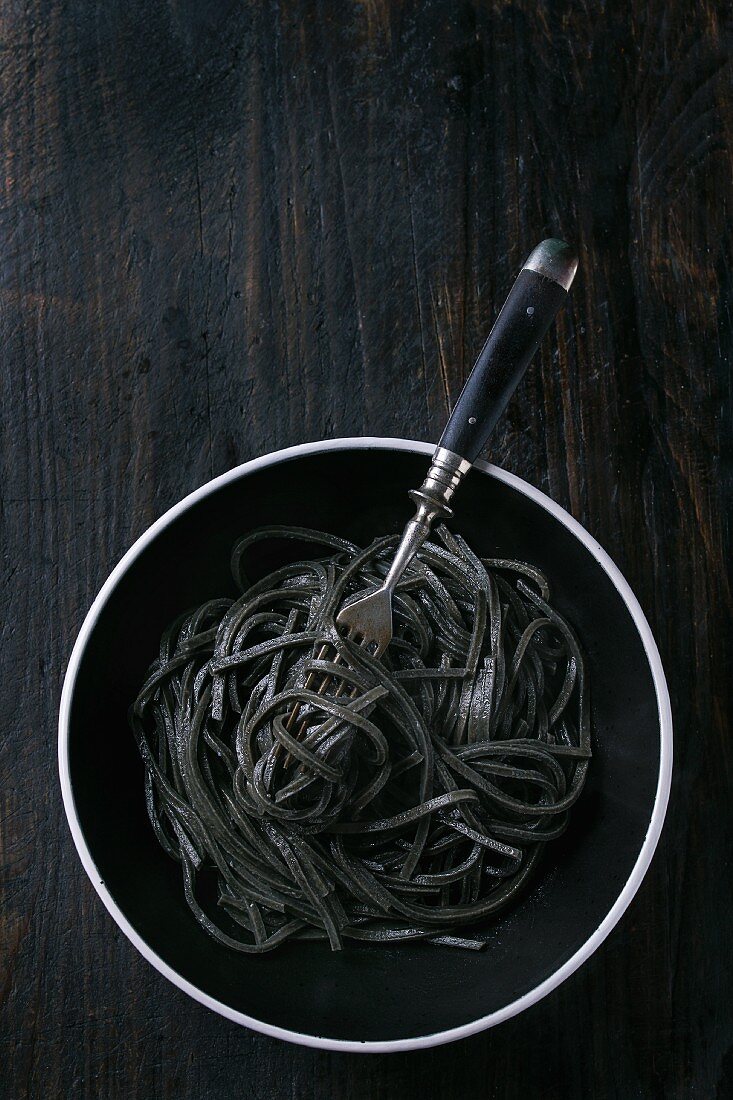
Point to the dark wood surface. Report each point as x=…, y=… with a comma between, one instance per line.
x=229, y=227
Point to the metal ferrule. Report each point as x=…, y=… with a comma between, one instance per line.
x=444, y=476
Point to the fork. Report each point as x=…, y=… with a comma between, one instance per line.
x=534, y=301
x=532, y=305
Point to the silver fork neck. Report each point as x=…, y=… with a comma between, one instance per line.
x=432, y=499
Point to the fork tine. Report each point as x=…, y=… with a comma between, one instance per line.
x=360, y=634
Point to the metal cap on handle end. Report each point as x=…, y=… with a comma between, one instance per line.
x=555, y=260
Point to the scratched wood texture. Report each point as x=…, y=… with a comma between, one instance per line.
x=226, y=227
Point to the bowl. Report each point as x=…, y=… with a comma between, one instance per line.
x=367, y=997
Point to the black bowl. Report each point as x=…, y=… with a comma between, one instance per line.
x=367, y=997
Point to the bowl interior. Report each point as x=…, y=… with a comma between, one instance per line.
x=364, y=993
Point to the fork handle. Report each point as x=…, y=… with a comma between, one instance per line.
x=534, y=301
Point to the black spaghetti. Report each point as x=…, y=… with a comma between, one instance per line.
x=412, y=796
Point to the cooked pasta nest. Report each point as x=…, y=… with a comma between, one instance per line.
x=410, y=796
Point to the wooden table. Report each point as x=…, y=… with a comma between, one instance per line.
x=229, y=227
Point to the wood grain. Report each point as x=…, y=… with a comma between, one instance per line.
x=229, y=227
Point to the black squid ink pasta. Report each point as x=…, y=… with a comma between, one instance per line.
x=410, y=796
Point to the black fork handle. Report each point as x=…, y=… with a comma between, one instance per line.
x=540, y=291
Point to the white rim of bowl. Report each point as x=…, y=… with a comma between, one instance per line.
x=612, y=917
